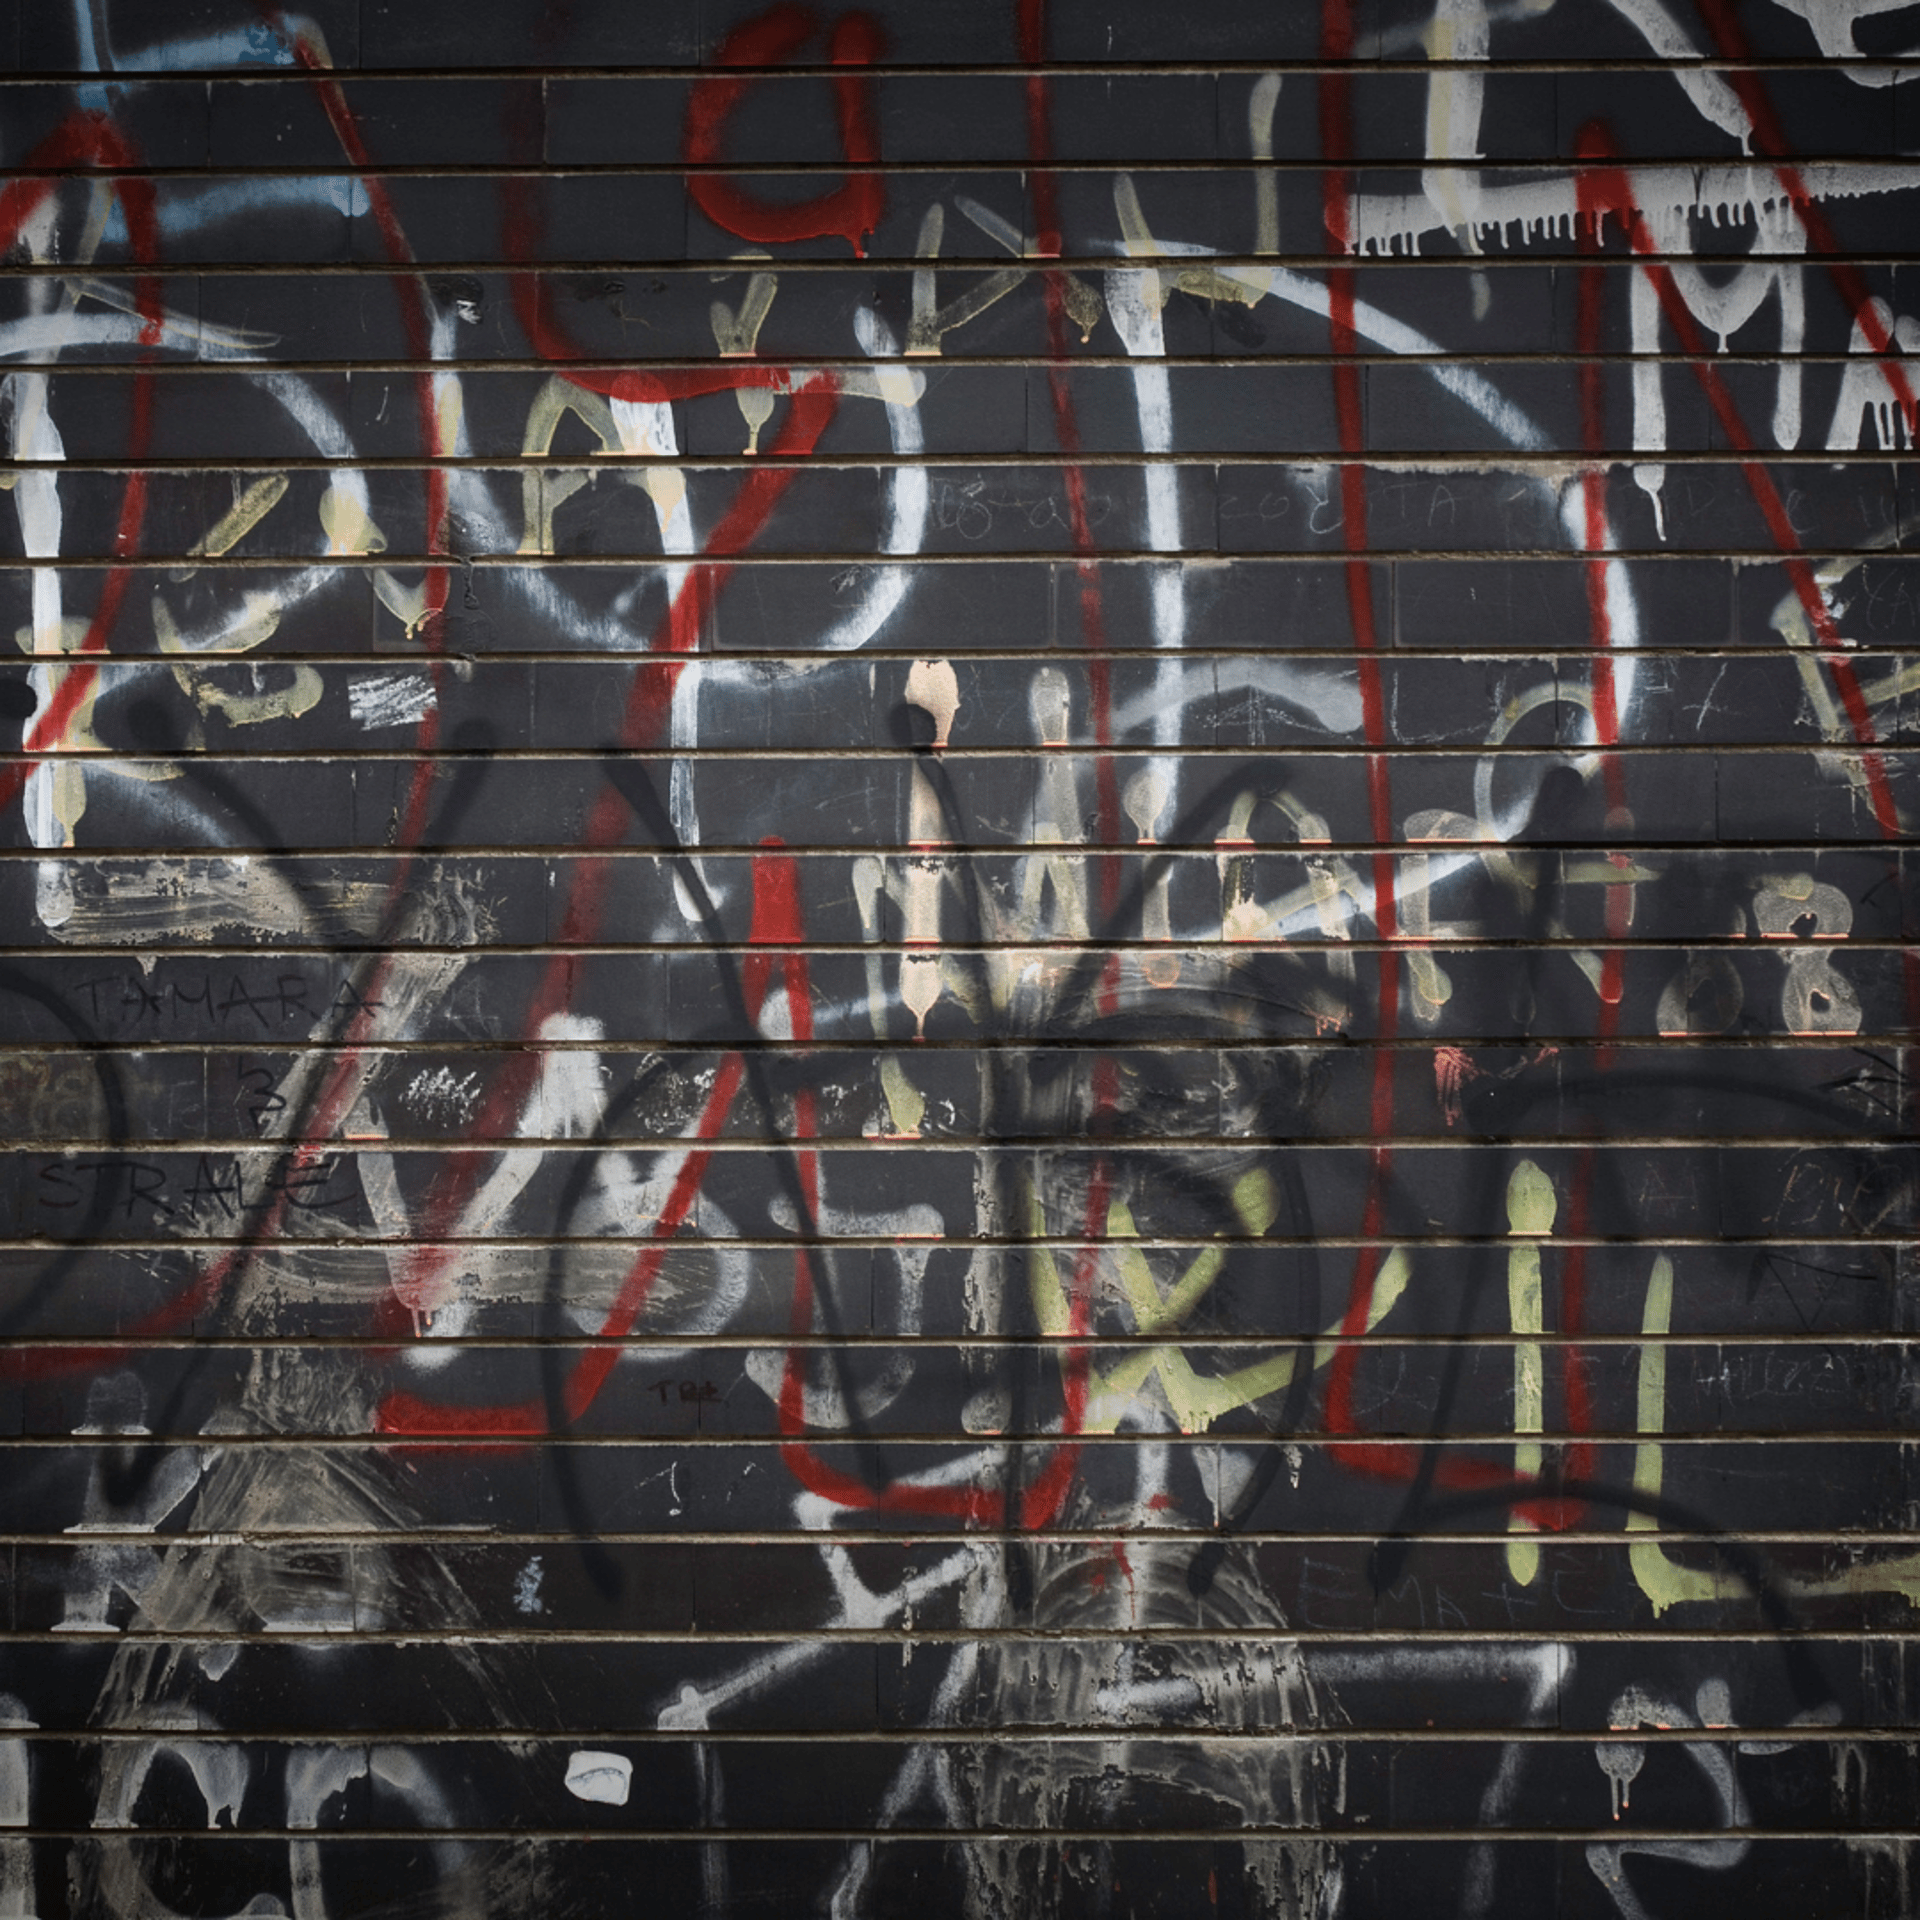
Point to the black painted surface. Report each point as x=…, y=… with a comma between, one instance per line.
x=958, y=960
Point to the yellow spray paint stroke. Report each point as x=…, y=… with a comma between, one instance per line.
x=1602, y=873
x=1790, y=621
x=450, y=414
x=283, y=698
x=553, y=403
x=1254, y=1201
x=929, y=320
x=905, y=1102
x=542, y=491
x=297, y=693
x=1531, y=1201
x=240, y=519
x=1432, y=988
x=1266, y=186
x=1665, y=1582
x=1145, y=800
x=1204, y=283
x=1245, y=918
x=1196, y=1400
x=1531, y=1209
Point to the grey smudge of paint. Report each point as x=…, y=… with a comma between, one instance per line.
x=526, y=1588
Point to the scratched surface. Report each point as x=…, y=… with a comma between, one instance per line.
x=959, y=960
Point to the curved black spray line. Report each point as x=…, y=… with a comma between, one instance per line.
x=629, y=778
x=1204, y=1567
x=1201, y=815
x=1208, y=1558
x=914, y=727
x=1185, y=837
x=1810, y=1682
x=124, y=1477
x=1078, y=999
x=1480, y=1262
x=1420, y=1490
x=599, y=1564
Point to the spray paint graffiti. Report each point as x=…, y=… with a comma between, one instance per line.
x=801, y=997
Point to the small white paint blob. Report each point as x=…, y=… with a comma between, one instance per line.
x=526, y=1588
x=605, y=1777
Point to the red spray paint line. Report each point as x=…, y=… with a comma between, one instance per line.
x=1336, y=120
x=1619, y=898
x=650, y=699
x=774, y=879
x=773, y=37
x=337, y=1092
x=1602, y=191
x=1042, y=1500
x=335, y=1095
x=419, y=330
x=1606, y=189
x=778, y=922
x=1397, y=1460
x=649, y=702
x=1751, y=90
x=92, y=140
x=813, y=407
x=1769, y=136
x=648, y=705
x=851, y=210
